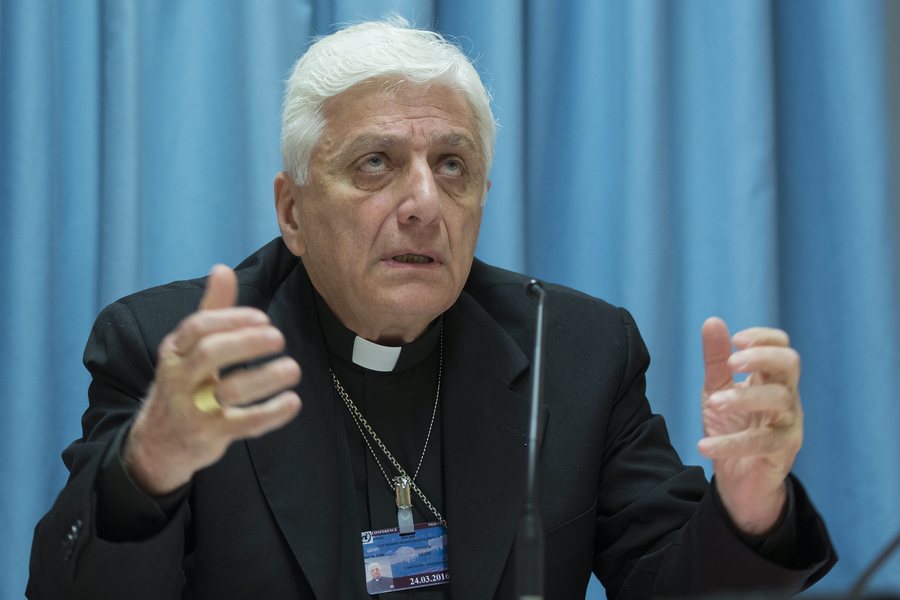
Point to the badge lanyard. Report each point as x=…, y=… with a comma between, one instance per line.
x=401, y=485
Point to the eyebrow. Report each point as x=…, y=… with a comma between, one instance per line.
x=457, y=139
x=366, y=142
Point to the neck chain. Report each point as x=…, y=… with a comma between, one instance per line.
x=402, y=483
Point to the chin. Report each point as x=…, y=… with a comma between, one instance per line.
x=419, y=306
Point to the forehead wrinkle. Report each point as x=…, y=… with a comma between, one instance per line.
x=377, y=124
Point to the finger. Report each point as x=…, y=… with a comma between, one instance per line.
x=772, y=398
x=223, y=349
x=259, y=419
x=249, y=385
x=221, y=289
x=778, y=364
x=716, y=350
x=754, y=442
x=760, y=336
x=203, y=323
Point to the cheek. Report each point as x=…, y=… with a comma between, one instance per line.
x=472, y=226
x=464, y=236
x=328, y=230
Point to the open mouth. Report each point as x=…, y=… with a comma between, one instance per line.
x=413, y=258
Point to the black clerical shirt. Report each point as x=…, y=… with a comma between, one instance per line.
x=398, y=404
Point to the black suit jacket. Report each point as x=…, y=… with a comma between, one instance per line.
x=277, y=518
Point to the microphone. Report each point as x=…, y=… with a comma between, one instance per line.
x=530, y=538
x=863, y=581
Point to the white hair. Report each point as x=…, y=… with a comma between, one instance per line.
x=364, y=52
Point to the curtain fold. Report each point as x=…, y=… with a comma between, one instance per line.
x=682, y=159
x=839, y=196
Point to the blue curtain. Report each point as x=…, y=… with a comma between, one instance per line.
x=680, y=158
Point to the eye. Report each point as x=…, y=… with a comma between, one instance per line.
x=373, y=164
x=452, y=167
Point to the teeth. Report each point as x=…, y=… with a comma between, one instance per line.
x=412, y=258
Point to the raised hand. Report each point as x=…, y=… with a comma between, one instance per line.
x=753, y=429
x=173, y=435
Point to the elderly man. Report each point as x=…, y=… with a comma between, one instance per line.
x=377, y=582
x=196, y=476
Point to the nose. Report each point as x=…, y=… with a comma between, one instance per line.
x=421, y=201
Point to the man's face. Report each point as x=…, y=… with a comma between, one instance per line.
x=375, y=571
x=387, y=223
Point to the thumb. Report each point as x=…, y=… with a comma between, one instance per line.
x=221, y=289
x=716, y=350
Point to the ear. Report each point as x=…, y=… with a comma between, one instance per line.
x=287, y=195
x=484, y=191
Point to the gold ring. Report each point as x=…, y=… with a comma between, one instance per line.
x=205, y=399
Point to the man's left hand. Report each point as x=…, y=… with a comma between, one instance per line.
x=753, y=429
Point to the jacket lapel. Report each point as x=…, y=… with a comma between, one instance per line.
x=304, y=468
x=485, y=433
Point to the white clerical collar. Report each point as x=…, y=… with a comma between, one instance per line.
x=374, y=356
x=346, y=345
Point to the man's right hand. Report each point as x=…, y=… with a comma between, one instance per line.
x=171, y=438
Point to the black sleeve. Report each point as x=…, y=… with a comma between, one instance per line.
x=69, y=557
x=780, y=543
x=125, y=513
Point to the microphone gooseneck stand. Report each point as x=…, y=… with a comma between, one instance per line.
x=530, y=539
